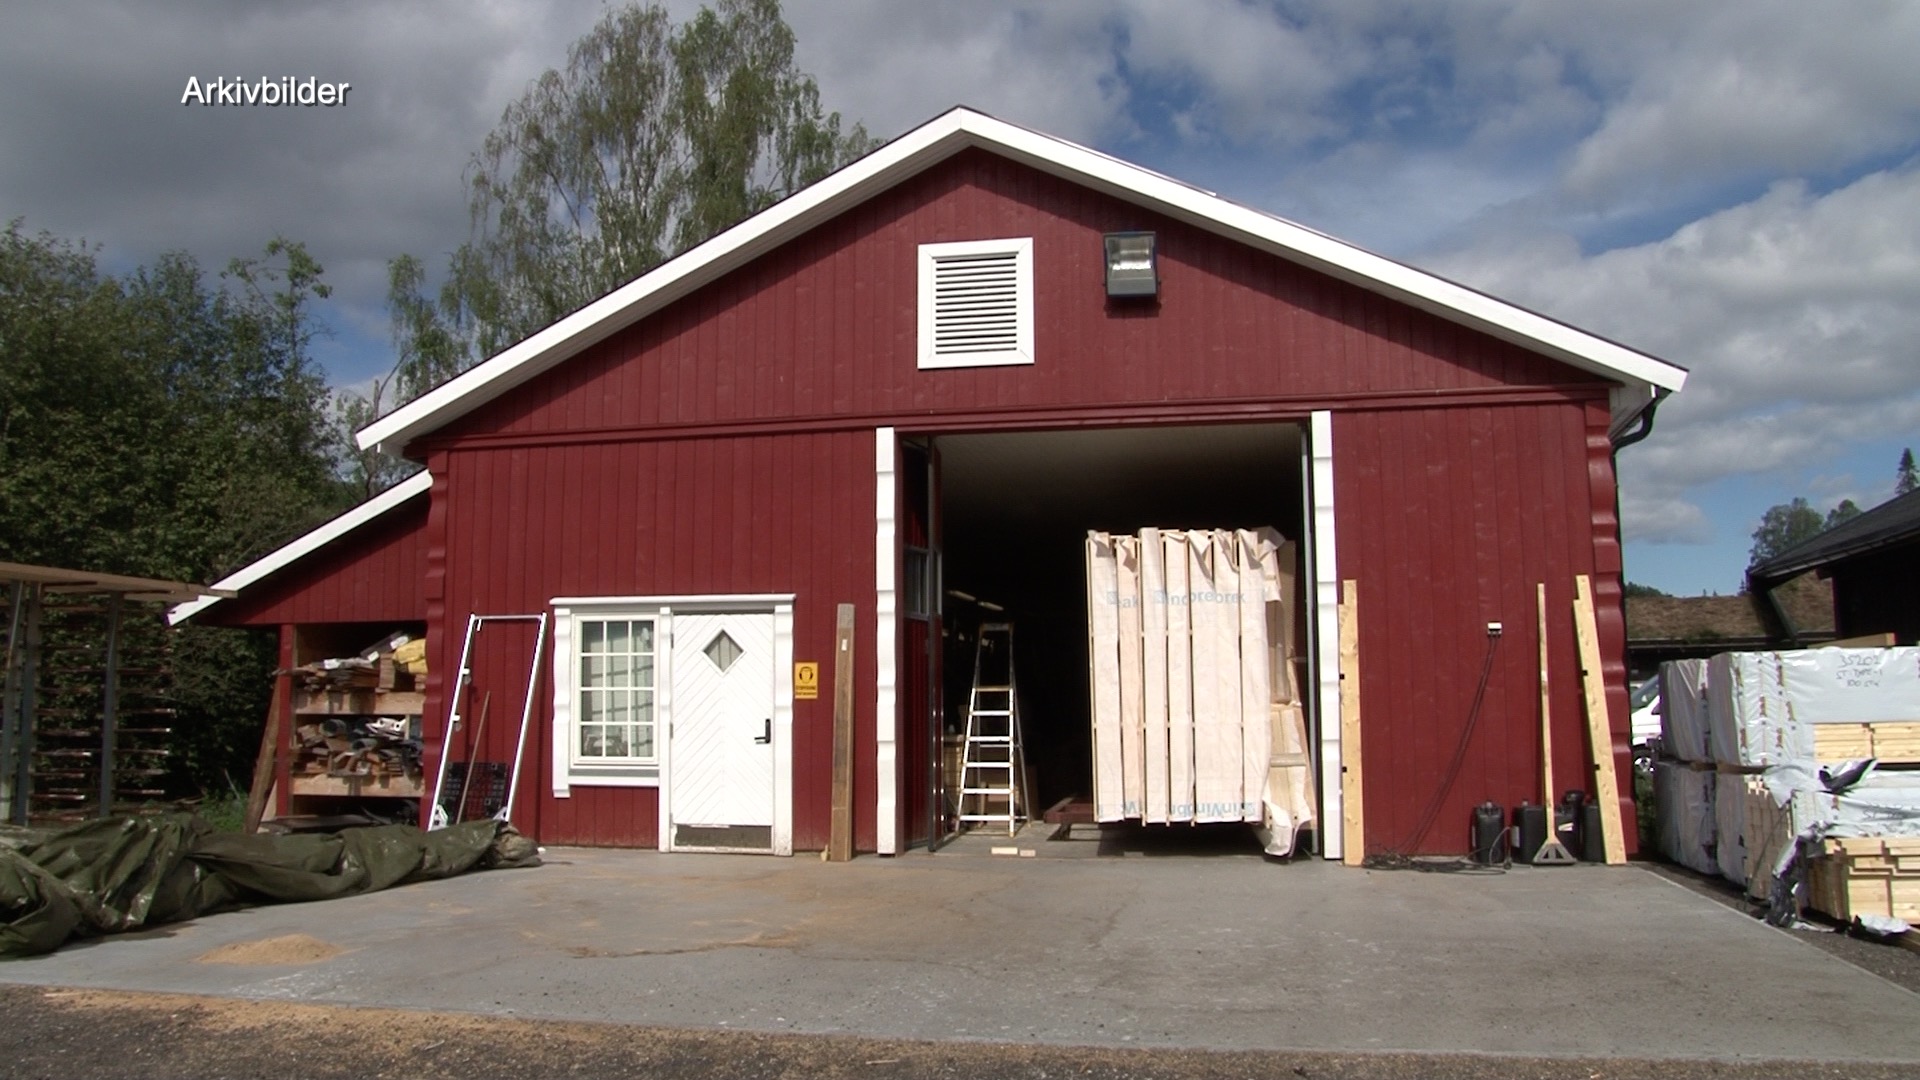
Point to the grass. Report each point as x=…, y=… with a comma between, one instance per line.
x=225, y=811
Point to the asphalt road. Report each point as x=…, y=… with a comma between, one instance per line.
x=61, y=1034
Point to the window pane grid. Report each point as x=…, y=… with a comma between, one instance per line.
x=614, y=690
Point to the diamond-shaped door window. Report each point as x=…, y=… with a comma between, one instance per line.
x=722, y=650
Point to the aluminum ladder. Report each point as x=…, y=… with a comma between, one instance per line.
x=993, y=761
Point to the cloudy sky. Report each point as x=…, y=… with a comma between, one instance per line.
x=1733, y=185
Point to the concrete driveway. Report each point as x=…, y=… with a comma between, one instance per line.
x=1220, y=952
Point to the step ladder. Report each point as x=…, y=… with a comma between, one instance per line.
x=993, y=761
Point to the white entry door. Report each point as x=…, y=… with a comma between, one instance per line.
x=720, y=792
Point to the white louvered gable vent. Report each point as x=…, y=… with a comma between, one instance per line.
x=976, y=303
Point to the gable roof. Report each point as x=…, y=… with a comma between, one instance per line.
x=939, y=139
x=1893, y=522
x=391, y=499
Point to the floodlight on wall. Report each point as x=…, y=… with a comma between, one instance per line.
x=1133, y=268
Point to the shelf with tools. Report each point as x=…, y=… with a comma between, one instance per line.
x=356, y=725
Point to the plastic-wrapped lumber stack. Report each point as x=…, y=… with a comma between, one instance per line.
x=1775, y=718
x=1196, y=714
x=1684, y=777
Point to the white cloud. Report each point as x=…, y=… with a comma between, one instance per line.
x=94, y=142
x=1794, y=311
x=1747, y=88
x=893, y=66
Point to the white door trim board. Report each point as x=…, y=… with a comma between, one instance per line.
x=1325, y=624
x=886, y=718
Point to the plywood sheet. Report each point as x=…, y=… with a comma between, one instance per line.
x=1103, y=643
x=1126, y=551
x=1179, y=678
x=1252, y=559
x=1153, y=664
x=1216, y=679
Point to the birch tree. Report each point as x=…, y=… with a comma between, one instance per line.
x=652, y=138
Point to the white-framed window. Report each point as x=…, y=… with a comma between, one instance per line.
x=613, y=683
x=976, y=303
x=608, y=684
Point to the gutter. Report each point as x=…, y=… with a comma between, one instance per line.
x=1660, y=394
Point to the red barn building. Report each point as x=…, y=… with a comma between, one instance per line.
x=909, y=381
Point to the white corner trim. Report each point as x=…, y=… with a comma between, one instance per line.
x=1326, y=628
x=782, y=729
x=886, y=717
x=933, y=142
x=560, y=727
x=404, y=491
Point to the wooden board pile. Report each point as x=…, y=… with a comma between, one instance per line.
x=1195, y=695
x=358, y=716
x=1757, y=738
x=1867, y=876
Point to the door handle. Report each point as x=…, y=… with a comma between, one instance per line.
x=768, y=736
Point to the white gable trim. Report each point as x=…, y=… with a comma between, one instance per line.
x=943, y=137
x=400, y=493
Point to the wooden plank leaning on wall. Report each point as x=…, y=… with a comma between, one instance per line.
x=1352, y=809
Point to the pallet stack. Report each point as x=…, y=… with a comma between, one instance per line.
x=1782, y=730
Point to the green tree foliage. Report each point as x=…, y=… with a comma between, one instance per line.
x=1906, y=478
x=161, y=425
x=1782, y=527
x=652, y=138
x=1632, y=589
x=1846, y=511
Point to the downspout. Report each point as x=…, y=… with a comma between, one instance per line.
x=1644, y=429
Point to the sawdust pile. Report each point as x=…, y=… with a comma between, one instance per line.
x=287, y=949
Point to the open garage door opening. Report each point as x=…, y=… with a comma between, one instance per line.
x=1009, y=517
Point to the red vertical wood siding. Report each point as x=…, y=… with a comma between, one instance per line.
x=824, y=327
x=725, y=445
x=1448, y=518
x=374, y=575
x=651, y=519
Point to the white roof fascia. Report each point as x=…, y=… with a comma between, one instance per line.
x=939, y=139
x=402, y=492
x=1299, y=244
x=673, y=279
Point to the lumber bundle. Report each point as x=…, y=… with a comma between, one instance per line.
x=1867, y=876
x=1683, y=711
x=1804, y=754
x=1688, y=818
x=1195, y=698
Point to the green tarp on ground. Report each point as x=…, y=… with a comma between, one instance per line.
x=129, y=873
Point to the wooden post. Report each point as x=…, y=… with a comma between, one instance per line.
x=110, y=705
x=263, y=765
x=1546, y=706
x=1599, y=729
x=840, y=828
x=1352, y=794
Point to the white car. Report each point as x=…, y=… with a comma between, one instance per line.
x=1645, y=703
